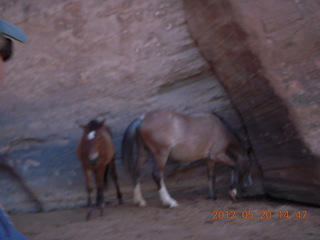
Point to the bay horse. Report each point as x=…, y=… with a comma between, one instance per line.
x=183, y=138
x=96, y=152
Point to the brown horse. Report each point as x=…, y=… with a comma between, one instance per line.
x=184, y=138
x=96, y=152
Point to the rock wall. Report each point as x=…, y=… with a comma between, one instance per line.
x=113, y=59
x=267, y=56
x=254, y=62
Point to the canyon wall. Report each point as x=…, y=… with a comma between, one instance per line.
x=92, y=59
x=256, y=63
x=267, y=56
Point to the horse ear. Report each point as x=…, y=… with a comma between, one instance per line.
x=101, y=123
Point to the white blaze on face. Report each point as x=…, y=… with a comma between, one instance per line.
x=91, y=135
x=93, y=154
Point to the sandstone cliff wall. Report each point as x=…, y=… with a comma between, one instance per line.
x=254, y=62
x=87, y=59
x=266, y=54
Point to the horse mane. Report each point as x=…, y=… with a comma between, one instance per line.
x=93, y=125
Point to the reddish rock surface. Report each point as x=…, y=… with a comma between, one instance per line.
x=86, y=59
x=266, y=54
x=252, y=61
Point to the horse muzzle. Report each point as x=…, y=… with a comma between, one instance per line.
x=93, y=157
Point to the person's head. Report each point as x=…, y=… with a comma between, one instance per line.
x=5, y=48
x=7, y=31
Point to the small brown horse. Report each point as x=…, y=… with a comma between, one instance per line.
x=184, y=138
x=96, y=152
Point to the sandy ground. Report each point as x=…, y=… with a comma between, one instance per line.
x=193, y=219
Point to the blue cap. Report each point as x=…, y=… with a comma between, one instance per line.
x=12, y=31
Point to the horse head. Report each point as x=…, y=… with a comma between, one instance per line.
x=91, y=138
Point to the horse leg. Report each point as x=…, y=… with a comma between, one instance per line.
x=89, y=191
x=157, y=174
x=244, y=173
x=224, y=158
x=211, y=179
x=234, y=183
x=99, y=177
x=143, y=154
x=115, y=180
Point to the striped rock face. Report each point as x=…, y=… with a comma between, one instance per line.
x=112, y=59
x=270, y=77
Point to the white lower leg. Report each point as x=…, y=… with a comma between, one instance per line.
x=234, y=181
x=165, y=197
x=137, y=196
x=233, y=194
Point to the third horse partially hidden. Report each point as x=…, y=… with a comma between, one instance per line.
x=183, y=138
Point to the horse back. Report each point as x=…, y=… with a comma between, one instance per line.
x=183, y=126
x=189, y=137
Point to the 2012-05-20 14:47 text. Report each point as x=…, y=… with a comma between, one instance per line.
x=247, y=214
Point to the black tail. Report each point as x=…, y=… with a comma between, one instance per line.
x=128, y=141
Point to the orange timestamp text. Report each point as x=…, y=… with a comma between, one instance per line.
x=216, y=214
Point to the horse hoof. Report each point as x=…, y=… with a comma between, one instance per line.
x=40, y=207
x=212, y=198
x=101, y=213
x=174, y=205
x=233, y=194
x=171, y=204
x=89, y=212
x=141, y=203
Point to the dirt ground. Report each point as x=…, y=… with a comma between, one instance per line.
x=246, y=219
